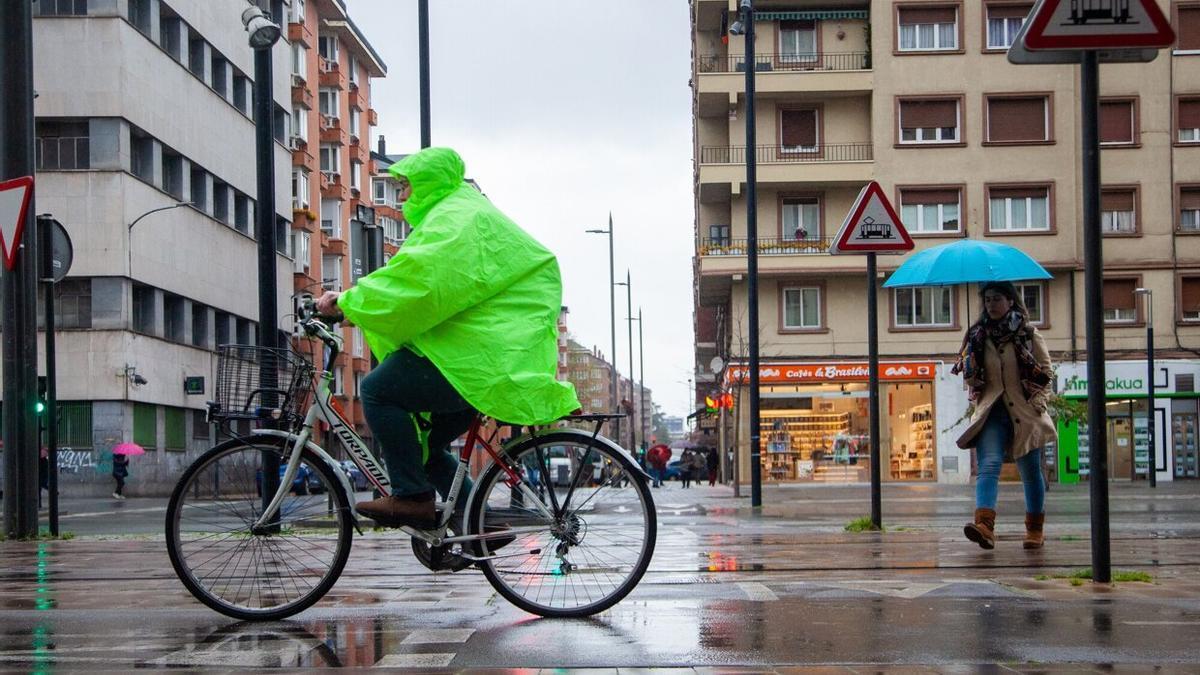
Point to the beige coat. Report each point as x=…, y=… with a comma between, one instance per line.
x=1032, y=427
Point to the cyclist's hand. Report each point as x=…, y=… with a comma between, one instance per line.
x=327, y=305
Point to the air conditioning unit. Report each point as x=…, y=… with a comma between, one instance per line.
x=298, y=80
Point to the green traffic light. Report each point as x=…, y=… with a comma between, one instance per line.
x=39, y=407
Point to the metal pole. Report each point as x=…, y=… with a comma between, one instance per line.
x=423, y=67
x=629, y=309
x=268, y=289
x=641, y=383
x=46, y=232
x=1089, y=88
x=752, y=259
x=1153, y=416
x=19, y=285
x=873, y=394
x=612, y=325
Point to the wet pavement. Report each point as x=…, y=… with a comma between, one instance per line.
x=729, y=588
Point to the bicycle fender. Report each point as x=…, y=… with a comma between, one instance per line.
x=588, y=436
x=333, y=466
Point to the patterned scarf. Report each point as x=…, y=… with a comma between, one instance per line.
x=1013, y=328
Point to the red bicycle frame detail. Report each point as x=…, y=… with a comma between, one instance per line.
x=474, y=437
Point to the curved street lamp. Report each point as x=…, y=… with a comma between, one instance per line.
x=129, y=234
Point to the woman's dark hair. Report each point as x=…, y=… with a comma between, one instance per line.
x=1008, y=290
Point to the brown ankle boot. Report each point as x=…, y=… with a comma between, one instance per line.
x=416, y=511
x=1034, y=536
x=982, y=531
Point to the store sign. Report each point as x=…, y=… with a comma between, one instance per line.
x=816, y=373
x=1123, y=378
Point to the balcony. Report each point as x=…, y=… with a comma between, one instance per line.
x=298, y=32
x=331, y=74
x=766, y=246
x=337, y=247
x=354, y=97
x=782, y=73
x=829, y=163
x=332, y=131
x=372, y=117
x=301, y=94
x=722, y=258
x=332, y=186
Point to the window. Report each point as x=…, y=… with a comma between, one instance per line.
x=929, y=121
x=328, y=102
x=199, y=187
x=141, y=155
x=220, y=75
x=1188, y=120
x=1118, y=210
x=797, y=42
x=1118, y=122
x=245, y=331
x=330, y=158
x=801, y=219
x=358, y=379
x=196, y=54
x=924, y=28
x=931, y=211
x=145, y=425
x=61, y=8
x=62, y=146
x=1032, y=295
x=1189, y=298
x=1019, y=119
x=355, y=172
x=719, y=234
x=300, y=123
x=241, y=85
x=927, y=306
x=75, y=424
x=357, y=342
x=338, y=386
x=1120, y=305
x=222, y=321
x=801, y=308
x=354, y=118
x=1018, y=208
x=143, y=309
x=221, y=201
x=172, y=173
x=299, y=61
x=353, y=65
x=379, y=188
x=168, y=35
x=199, y=325
x=139, y=15
x=331, y=218
x=200, y=429
x=241, y=213
x=1188, y=29
x=300, y=188
x=1003, y=22
x=282, y=123
x=328, y=48
x=74, y=303
x=798, y=130
x=301, y=250
x=173, y=328
x=1189, y=209
x=331, y=272
x=296, y=14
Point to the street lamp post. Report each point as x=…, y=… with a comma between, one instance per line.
x=629, y=308
x=129, y=235
x=612, y=317
x=1148, y=294
x=745, y=26
x=641, y=383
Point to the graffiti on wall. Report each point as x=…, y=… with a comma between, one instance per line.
x=73, y=461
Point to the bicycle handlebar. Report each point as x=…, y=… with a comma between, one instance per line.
x=318, y=326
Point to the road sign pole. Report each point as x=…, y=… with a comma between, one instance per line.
x=1089, y=87
x=46, y=234
x=873, y=385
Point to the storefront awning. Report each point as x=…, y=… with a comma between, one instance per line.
x=812, y=15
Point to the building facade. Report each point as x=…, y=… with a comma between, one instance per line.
x=919, y=96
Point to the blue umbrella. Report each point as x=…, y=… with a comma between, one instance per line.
x=967, y=261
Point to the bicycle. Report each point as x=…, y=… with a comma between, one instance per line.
x=250, y=548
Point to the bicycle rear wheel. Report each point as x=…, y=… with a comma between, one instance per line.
x=249, y=574
x=595, y=548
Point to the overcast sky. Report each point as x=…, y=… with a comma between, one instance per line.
x=565, y=111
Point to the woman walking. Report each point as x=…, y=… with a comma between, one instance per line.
x=685, y=468
x=1007, y=371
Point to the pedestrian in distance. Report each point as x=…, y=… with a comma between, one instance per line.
x=685, y=468
x=714, y=463
x=120, y=472
x=699, y=465
x=657, y=458
x=1006, y=369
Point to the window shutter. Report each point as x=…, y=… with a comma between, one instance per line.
x=797, y=25
x=911, y=15
x=1018, y=193
x=1008, y=11
x=1017, y=119
x=929, y=197
x=1189, y=28
x=1189, y=294
x=175, y=429
x=926, y=114
x=1118, y=294
x=1189, y=114
x=799, y=128
x=1116, y=200
x=1116, y=121
x=145, y=425
x=1189, y=199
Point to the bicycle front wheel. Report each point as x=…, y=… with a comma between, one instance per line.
x=245, y=572
x=592, y=548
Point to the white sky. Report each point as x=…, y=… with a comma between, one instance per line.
x=565, y=111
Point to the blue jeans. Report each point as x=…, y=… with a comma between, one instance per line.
x=995, y=436
x=656, y=476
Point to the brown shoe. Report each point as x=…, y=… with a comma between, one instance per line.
x=982, y=531
x=1034, y=537
x=416, y=511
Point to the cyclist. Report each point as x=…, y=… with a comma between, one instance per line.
x=463, y=318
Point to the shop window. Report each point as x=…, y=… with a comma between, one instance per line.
x=1189, y=209
x=1003, y=23
x=1033, y=296
x=1118, y=122
x=924, y=28
x=1188, y=28
x=1118, y=211
x=1188, y=120
x=1019, y=209
x=802, y=308
x=1189, y=298
x=801, y=219
x=928, y=306
x=931, y=211
x=798, y=130
x=930, y=121
x=1018, y=119
x=1120, y=305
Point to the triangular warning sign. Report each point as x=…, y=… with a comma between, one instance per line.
x=1097, y=24
x=872, y=226
x=14, y=201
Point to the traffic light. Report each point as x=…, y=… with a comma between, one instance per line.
x=39, y=406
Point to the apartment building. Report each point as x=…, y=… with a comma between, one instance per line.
x=334, y=211
x=146, y=153
x=919, y=95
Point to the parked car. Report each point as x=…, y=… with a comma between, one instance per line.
x=306, y=480
x=672, y=472
x=358, y=479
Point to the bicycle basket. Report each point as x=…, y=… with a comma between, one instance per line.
x=260, y=383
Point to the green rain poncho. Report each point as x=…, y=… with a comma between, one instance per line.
x=472, y=292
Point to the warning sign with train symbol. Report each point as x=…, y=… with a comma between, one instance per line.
x=1096, y=24
x=872, y=226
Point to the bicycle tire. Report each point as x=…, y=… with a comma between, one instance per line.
x=200, y=586
x=524, y=582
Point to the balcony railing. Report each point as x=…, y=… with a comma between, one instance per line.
x=766, y=246
x=768, y=154
x=787, y=62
